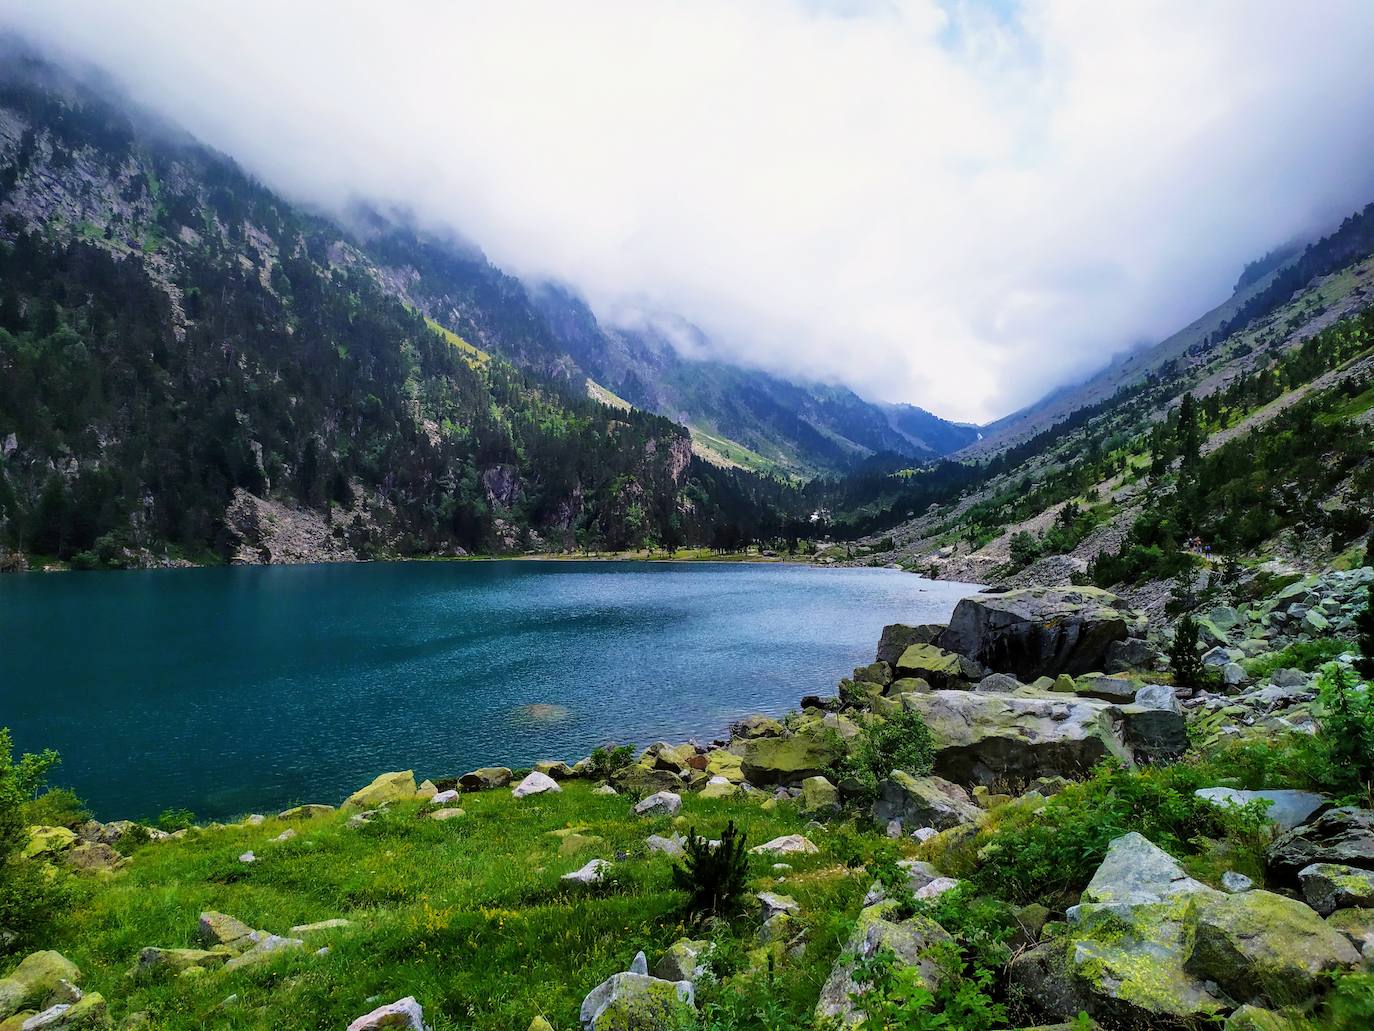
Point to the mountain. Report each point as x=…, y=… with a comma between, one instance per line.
x=738, y=417
x=193, y=368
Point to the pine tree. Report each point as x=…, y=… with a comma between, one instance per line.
x=1183, y=656
x=1364, y=626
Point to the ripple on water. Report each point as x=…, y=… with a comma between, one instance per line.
x=543, y=712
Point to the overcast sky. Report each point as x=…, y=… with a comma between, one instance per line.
x=957, y=204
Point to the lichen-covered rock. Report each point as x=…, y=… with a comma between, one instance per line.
x=910, y=942
x=719, y=787
x=639, y=780
x=1344, y=836
x=93, y=857
x=305, y=812
x=684, y=960
x=1153, y=734
x=389, y=787
x=485, y=778
x=154, y=960
x=984, y=738
x=1041, y=630
x=637, y=1002
x=1358, y=927
x=85, y=1014
x=220, y=929
x=261, y=947
x=46, y=842
x=818, y=795
x=535, y=784
x=939, y=668
x=35, y=981
x=810, y=752
x=1123, y=956
x=555, y=768
x=721, y=763
x=1332, y=886
x=1262, y=947
x=788, y=844
x=998, y=683
x=662, y=803
x=401, y=1015
x=923, y=802
x=1109, y=689
x=898, y=637
x=756, y=725
x=1256, y=1018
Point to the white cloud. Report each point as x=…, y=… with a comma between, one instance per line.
x=959, y=205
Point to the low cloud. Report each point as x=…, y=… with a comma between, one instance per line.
x=957, y=204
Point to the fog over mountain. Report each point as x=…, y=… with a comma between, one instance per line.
x=960, y=205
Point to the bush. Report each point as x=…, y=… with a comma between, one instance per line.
x=608, y=760
x=1345, y=710
x=897, y=742
x=1053, y=854
x=29, y=900
x=1183, y=657
x=1304, y=655
x=1364, y=626
x=713, y=876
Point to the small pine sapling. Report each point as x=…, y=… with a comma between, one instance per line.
x=1183, y=656
x=713, y=876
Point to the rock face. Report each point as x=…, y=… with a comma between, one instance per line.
x=937, y=667
x=1041, y=631
x=389, y=787
x=923, y=802
x=898, y=637
x=1261, y=947
x=909, y=941
x=1344, y=836
x=980, y=738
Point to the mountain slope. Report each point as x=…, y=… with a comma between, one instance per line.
x=192, y=367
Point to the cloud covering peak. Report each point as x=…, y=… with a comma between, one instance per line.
x=960, y=204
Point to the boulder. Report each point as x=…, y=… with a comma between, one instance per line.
x=447, y=813
x=910, y=942
x=791, y=759
x=444, y=797
x=1358, y=927
x=401, y=1015
x=982, y=738
x=1344, y=835
x=1332, y=886
x=1123, y=956
x=998, y=683
x=721, y=763
x=1158, y=696
x=879, y=673
x=154, y=960
x=938, y=667
x=1132, y=653
x=773, y=904
x=923, y=802
x=674, y=846
x=93, y=857
x=220, y=929
x=555, y=768
x=389, y=787
x=662, y=803
x=1265, y=948
x=262, y=946
x=788, y=844
x=1287, y=808
x=683, y=961
x=1041, y=630
x=1109, y=689
x=898, y=637
x=719, y=787
x=47, y=842
x=637, y=1002
x=306, y=930
x=1154, y=735
x=1234, y=882
x=87, y=1012
x=818, y=795
x=535, y=784
x=756, y=725
x=639, y=781
x=37, y=982
x=305, y=812
x=485, y=779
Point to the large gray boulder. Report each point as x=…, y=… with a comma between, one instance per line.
x=898, y=637
x=1265, y=948
x=1344, y=835
x=1123, y=958
x=909, y=941
x=923, y=802
x=639, y=1001
x=1041, y=631
x=981, y=738
x=1331, y=886
x=1287, y=808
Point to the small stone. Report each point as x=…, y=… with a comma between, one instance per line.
x=640, y=964
x=1236, y=882
x=305, y=930
x=773, y=904
x=248, y=857
x=668, y=846
x=450, y=813
x=442, y=798
x=660, y=803
x=924, y=834
x=604, y=789
x=286, y=835
x=305, y=812
x=788, y=844
x=592, y=873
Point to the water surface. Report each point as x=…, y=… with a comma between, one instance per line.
x=248, y=688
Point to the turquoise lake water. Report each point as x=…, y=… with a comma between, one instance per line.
x=244, y=689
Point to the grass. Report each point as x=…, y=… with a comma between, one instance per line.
x=475, y=356
x=607, y=397
x=727, y=453
x=467, y=915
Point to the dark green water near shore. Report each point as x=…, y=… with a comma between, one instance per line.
x=237, y=689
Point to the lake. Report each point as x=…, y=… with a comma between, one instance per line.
x=243, y=689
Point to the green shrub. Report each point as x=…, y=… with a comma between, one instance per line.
x=1183, y=657
x=29, y=900
x=1364, y=626
x=894, y=998
x=608, y=760
x=1307, y=656
x=1345, y=710
x=175, y=819
x=713, y=876
x=900, y=741
x=56, y=807
x=1054, y=854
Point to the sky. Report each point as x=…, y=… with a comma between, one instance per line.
x=955, y=204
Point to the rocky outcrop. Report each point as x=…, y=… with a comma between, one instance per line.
x=980, y=738
x=938, y=668
x=1041, y=631
x=258, y=531
x=1344, y=836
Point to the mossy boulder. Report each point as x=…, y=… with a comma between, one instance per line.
x=1265, y=948
x=387, y=788
x=46, y=842
x=1041, y=630
x=85, y=1014
x=756, y=725
x=722, y=763
x=923, y=802
x=937, y=667
x=1332, y=886
x=898, y=637
x=809, y=752
x=879, y=673
x=910, y=942
x=485, y=778
x=154, y=960
x=637, y=1002
x=640, y=781
x=37, y=982
x=1344, y=835
x=818, y=796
